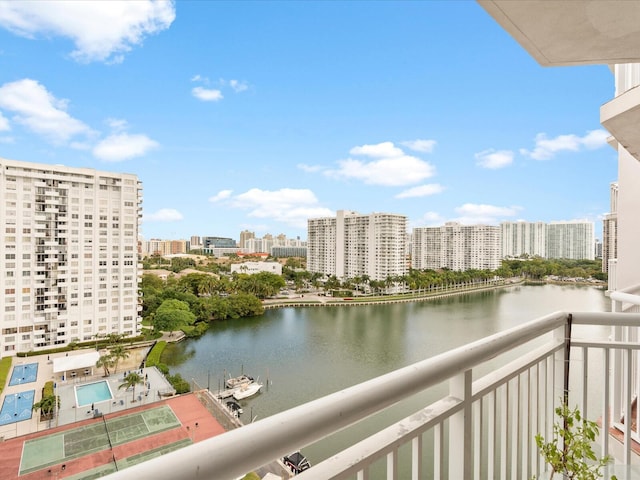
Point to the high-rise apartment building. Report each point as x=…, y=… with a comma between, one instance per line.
x=69, y=248
x=610, y=230
x=195, y=242
x=523, y=238
x=456, y=247
x=572, y=240
x=244, y=236
x=352, y=245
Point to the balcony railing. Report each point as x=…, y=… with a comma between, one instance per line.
x=503, y=390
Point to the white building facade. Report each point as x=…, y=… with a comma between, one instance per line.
x=573, y=240
x=257, y=267
x=456, y=247
x=70, y=248
x=523, y=238
x=354, y=245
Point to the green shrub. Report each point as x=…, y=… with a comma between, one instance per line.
x=153, y=357
x=569, y=452
x=47, y=390
x=179, y=383
x=195, y=330
x=5, y=368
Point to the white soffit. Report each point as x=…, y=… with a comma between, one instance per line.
x=572, y=32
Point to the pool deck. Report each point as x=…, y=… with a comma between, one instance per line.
x=64, y=389
x=198, y=409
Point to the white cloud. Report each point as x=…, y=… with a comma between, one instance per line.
x=494, y=159
x=393, y=172
x=39, y=111
x=472, y=213
x=310, y=168
x=546, y=148
x=380, y=150
x=4, y=123
x=207, y=94
x=595, y=139
x=221, y=195
x=7, y=140
x=421, y=191
x=101, y=31
x=164, y=215
x=117, y=124
x=123, y=146
x=287, y=205
x=424, y=146
x=238, y=86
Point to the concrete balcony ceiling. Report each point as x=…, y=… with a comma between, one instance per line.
x=580, y=32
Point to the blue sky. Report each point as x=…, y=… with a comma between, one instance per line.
x=260, y=115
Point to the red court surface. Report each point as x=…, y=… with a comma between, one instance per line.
x=187, y=408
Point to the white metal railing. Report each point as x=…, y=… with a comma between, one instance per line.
x=483, y=429
x=626, y=300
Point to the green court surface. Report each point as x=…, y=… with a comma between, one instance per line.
x=101, y=435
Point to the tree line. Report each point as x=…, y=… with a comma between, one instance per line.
x=192, y=301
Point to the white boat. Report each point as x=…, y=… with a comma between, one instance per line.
x=247, y=390
x=238, y=381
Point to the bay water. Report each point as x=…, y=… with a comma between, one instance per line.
x=301, y=354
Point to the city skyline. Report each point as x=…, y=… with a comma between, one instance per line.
x=259, y=116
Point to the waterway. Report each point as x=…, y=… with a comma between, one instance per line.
x=301, y=354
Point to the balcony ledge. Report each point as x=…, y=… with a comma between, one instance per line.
x=621, y=116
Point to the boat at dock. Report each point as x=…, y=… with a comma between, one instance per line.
x=247, y=391
x=236, y=382
x=234, y=408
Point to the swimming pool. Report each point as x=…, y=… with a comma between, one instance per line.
x=16, y=407
x=93, y=393
x=24, y=374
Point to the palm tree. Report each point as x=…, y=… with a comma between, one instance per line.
x=132, y=380
x=47, y=405
x=115, y=337
x=207, y=285
x=118, y=353
x=104, y=362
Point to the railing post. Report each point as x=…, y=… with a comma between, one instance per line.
x=460, y=459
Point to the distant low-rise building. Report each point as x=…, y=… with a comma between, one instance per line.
x=161, y=248
x=257, y=267
x=283, y=252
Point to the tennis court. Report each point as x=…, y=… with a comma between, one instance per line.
x=24, y=374
x=68, y=445
x=16, y=407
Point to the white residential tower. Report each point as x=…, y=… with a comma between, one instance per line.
x=69, y=246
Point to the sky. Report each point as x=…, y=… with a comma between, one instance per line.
x=260, y=115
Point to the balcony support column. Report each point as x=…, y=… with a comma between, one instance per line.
x=460, y=440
